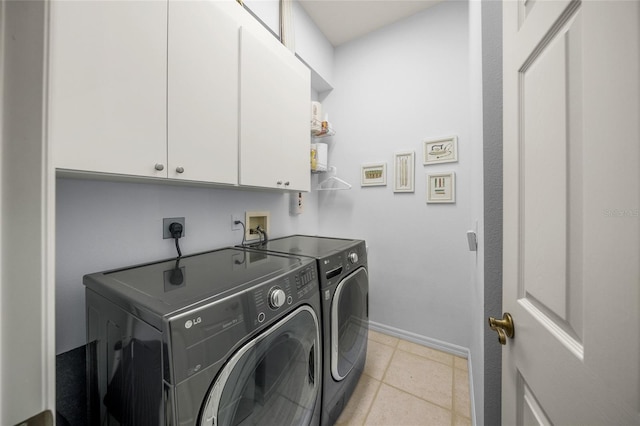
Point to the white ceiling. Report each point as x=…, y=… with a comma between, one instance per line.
x=344, y=20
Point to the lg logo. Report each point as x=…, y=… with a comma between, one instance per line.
x=191, y=323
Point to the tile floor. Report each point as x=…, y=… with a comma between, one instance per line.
x=405, y=384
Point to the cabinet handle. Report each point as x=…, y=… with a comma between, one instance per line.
x=286, y=183
x=180, y=169
x=279, y=182
x=159, y=167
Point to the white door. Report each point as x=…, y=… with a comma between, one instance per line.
x=571, y=199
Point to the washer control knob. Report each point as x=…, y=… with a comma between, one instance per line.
x=277, y=297
x=353, y=257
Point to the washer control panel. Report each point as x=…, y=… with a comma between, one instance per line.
x=271, y=300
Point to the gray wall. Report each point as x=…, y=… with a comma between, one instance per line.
x=492, y=106
x=394, y=88
x=102, y=225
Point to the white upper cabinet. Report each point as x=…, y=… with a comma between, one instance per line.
x=202, y=92
x=185, y=90
x=274, y=114
x=107, y=86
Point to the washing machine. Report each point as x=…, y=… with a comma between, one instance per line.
x=344, y=290
x=227, y=337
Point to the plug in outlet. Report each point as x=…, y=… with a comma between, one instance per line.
x=252, y=221
x=167, y=221
x=236, y=226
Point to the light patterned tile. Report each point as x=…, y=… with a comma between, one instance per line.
x=394, y=407
x=422, y=377
x=461, y=421
x=356, y=410
x=426, y=352
x=417, y=378
x=461, y=399
x=461, y=363
x=383, y=338
x=378, y=357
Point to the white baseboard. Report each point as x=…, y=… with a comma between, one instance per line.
x=421, y=340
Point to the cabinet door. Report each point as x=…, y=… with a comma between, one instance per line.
x=202, y=92
x=107, y=82
x=274, y=114
x=296, y=125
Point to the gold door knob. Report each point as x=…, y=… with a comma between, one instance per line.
x=503, y=327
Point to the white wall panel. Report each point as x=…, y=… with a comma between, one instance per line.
x=27, y=362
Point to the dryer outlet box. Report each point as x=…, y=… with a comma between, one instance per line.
x=252, y=221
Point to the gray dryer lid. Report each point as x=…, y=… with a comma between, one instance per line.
x=307, y=245
x=171, y=285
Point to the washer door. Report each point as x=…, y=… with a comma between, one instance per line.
x=273, y=379
x=349, y=322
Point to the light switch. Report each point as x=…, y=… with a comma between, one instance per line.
x=472, y=239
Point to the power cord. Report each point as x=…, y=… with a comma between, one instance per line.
x=244, y=231
x=176, y=233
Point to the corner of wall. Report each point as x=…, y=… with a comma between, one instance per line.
x=313, y=48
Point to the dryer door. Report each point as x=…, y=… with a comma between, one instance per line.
x=349, y=323
x=273, y=379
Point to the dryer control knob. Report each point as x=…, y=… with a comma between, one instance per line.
x=353, y=257
x=277, y=297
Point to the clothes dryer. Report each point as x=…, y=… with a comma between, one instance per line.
x=227, y=337
x=344, y=290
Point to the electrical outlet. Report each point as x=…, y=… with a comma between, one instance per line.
x=252, y=220
x=168, y=221
x=296, y=203
x=236, y=226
